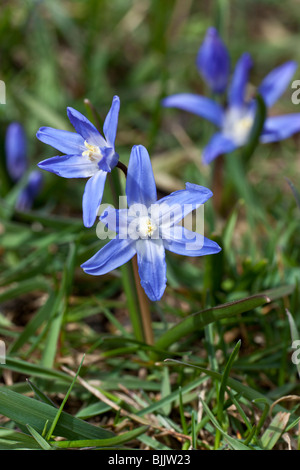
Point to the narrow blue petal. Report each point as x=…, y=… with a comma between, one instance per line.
x=174, y=207
x=116, y=253
x=218, y=145
x=85, y=128
x=196, y=104
x=92, y=197
x=69, y=143
x=111, y=122
x=16, y=151
x=237, y=89
x=213, y=61
x=280, y=127
x=116, y=220
x=152, y=267
x=140, y=184
x=276, y=82
x=109, y=159
x=69, y=166
x=182, y=241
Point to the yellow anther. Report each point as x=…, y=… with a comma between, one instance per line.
x=146, y=227
x=93, y=152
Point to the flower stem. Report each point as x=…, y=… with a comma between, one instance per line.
x=218, y=183
x=144, y=305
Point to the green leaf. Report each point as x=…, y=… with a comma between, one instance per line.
x=59, y=309
x=58, y=414
x=39, y=439
x=44, y=313
x=235, y=444
x=165, y=391
x=24, y=410
x=40, y=395
x=199, y=320
x=223, y=385
x=35, y=370
x=275, y=430
x=108, y=442
x=257, y=128
x=16, y=440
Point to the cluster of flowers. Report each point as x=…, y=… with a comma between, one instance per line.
x=157, y=223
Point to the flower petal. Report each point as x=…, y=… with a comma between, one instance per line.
x=116, y=220
x=152, y=267
x=111, y=122
x=109, y=159
x=218, y=145
x=237, y=89
x=280, y=127
x=114, y=254
x=16, y=151
x=187, y=243
x=69, y=143
x=85, y=128
x=196, y=104
x=275, y=83
x=92, y=197
x=140, y=184
x=69, y=166
x=174, y=207
x=213, y=61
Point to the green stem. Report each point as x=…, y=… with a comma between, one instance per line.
x=144, y=306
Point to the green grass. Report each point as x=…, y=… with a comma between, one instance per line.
x=219, y=374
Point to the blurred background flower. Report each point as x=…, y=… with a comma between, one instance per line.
x=28, y=194
x=16, y=151
x=213, y=61
x=17, y=165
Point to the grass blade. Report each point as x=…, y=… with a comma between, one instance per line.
x=199, y=320
x=39, y=439
x=112, y=441
x=24, y=410
x=58, y=414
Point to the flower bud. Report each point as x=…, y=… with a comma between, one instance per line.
x=213, y=61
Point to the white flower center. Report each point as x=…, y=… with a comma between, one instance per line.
x=238, y=125
x=146, y=227
x=93, y=152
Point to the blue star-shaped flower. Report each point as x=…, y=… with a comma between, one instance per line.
x=235, y=120
x=87, y=155
x=149, y=227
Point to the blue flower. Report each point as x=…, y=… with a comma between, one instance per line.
x=28, y=194
x=149, y=227
x=87, y=155
x=236, y=119
x=16, y=151
x=213, y=61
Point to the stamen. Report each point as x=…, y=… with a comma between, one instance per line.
x=93, y=152
x=146, y=227
x=237, y=127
